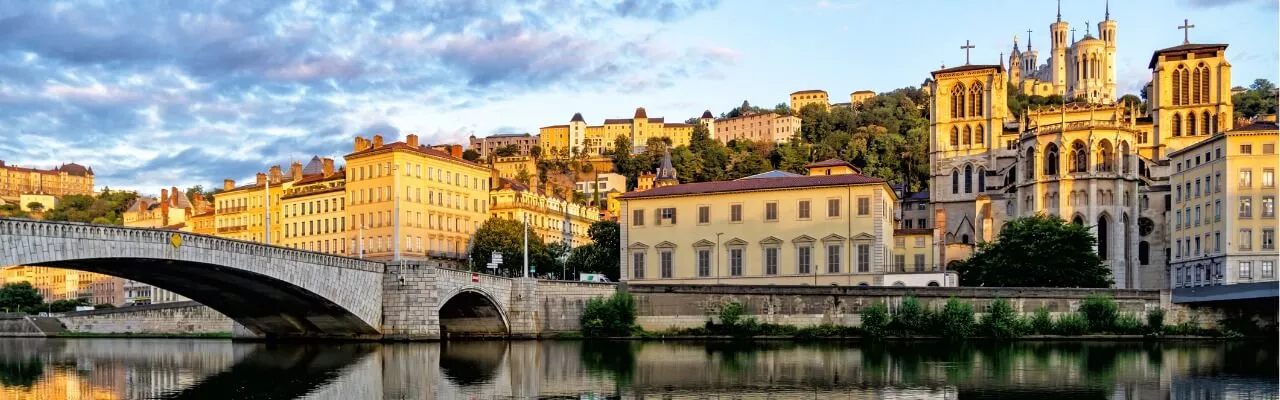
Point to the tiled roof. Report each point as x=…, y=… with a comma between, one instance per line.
x=313, y=178
x=915, y=231
x=707, y=114
x=863, y=91
x=1257, y=126
x=577, y=117
x=555, y=126
x=754, y=184
x=421, y=149
x=772, y=174
x=1183, y=49
x=657, y=120
x=640, y=113
x=809, y=91
x=831, y=162
x=617, y=121
x=971, y=67
x=918, y=196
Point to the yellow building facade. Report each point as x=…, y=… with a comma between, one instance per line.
x=1190, y=96
x=55, y=284
x=66, y=179
x=819, y=229
x=766, y=127
x=510, y=167
x=807, y=97
x=313, y=209
x=443, y=200
x=554, y=219
x=1223, y=215
x=857, y=97
x=241, y=211
x=595, y=140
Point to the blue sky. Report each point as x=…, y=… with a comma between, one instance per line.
x=152, y=94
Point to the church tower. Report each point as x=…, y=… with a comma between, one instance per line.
x=1107, y=31
x=1015, y=64
x=577, y=134
x=1030, y=60
x=1058, y=53
x=666, y=171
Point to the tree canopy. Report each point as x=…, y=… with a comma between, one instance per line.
x=601, y=255
x=504, y=236
x=19, y=297
x=104, y=209
x=1260, y=99
x=1037, y=251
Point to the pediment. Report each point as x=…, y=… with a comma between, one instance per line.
x=638, y=246
x=735, y=242
x=833, y=238
x=665, y=245
x=863, y=236
x=803, y=239
x=770, y=240
x=703, y=243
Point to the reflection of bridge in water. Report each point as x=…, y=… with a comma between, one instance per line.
x=196, y=369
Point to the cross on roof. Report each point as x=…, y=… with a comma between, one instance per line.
x=1186, y=30
x=1028, y=39
x=966, y=48
x=1073, y=35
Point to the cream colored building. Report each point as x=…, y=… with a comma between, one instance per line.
x=47, y=202
x=55, y=284
x=1191, y=97
x=510, y=167
x=602, y=183
x=487, y=145
x=807, y=97
x=760, y=127
x=1224, y=208
x=860, y=96
x=66, y=179
x=241, y=211
x=595, y=140
x=554, y=219
x=442, y=200
x=313, y=209
x=1083, y=70
x=173, y=210
x=834, y=226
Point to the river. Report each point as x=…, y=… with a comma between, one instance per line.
x=103, y=369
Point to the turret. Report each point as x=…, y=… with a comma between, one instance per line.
x=1058, y=50
x=709, y=121
x=577, y=134
x=1107, y=31
x=1015, y=63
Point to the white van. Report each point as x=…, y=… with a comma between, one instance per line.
x=598, y=278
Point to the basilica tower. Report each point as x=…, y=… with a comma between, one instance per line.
x=1058, y=53
x=1107, y=31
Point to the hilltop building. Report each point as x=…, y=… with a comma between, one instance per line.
x=1082, y=70
x=564, y=141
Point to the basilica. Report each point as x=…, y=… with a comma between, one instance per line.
x=1093, y=161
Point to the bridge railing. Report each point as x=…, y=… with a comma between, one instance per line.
x=80, y=230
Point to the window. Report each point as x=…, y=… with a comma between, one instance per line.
x=1245, y=242
x=1268, y=269
x=833, y=208
x=704, y=263
x=735, y=262
x=1268, y=239
x=1246, y=178
x=637, y=265
x=864, y=258
x=804, y=257
x=1197, y=246
x=664, y=261
x=1197, y=219
x=1217, y=210
x=920, y=242
x=637, y=218
x=864, y=206
x=1246, y=270
x=1246, y=206
x=1268, y=148
x=1177, y=220
x=1268, y=177
x=900, y=262
x=704, y=214
x=1268, y=206
x=833, y=258
x=735, y=213
x=1197, y=188
x=665, y=214
x=968, y=179
x=919, y=263
x=804, y=209
x=1246, y=149
x=899, y=242
x=771, y=261
x=906, y=224
x=920, y=222
x=771, y=211
x=1217, y=242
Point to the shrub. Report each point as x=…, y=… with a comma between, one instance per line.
x=1042, y=322
x=912, y=317
x=875, y=320
x=956, y=320
x=614, y=316
x=1100, y=312
x=731, y=313
x=1128, y=325
x=1155, y=320
x=1071, y=324
x=1001, y=321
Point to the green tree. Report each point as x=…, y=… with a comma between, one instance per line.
x=536, y=152
x=506, y=237
x=1260, y=99
x=471, y=155
x=197, y=190
x=1131, y=100
x=507, y=151
x=19, y=297
x=523, y=176
x=35, y=206
x=589, y=259
x=61, y=306
x=1037, y=251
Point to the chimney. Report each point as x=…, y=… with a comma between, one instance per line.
x=164, y=207
x=261, y=179
x=164, y=196
x=412, y=140
x=455, y=151
x=275, y=174
x=377, y=141
x=173, y=200
x=328, y=167
x=361, y=144
x=228, y=184
x=295, y=171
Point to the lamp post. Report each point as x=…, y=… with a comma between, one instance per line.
x=395, y=219
x=267, y=212
x=718, y=257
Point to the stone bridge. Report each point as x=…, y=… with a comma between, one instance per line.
x=277, y=292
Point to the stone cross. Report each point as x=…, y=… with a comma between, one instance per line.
x=1186, y=30
x=966, y=48
x=1028, y=40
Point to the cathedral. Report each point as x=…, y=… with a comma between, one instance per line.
x=1084, y=70
x=1092, y=161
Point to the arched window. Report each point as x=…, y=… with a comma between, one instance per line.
x=1177, y=125
x=1204, y=84
x=975, y=100
x=1125, y=157
x=1191, y=124
x=978, y=134
x=1215, y=121
x=1106, y=156
x=1078, y=221
x=1079, y=157
x=1186, y=87
x=1030, y=163
x=955, y=136
x=955, y=181
x=1205, y=123
x=1103, y=236
x=968, y=179
x=1051, y=159
x=982, y=180
x=968, y=136
x=1195, y=86
x=1177, y=88
x=957, y=101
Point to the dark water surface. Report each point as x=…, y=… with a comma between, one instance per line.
x=219, y=369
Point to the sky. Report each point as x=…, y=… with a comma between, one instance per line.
x=154, y=94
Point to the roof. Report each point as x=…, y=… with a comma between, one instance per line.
x=918, y=196
x=319, y=177
x=1260, y=126
x=421, y=149
x=915, y=231
x=970, y=67
x=809, y=91
x=772, y=174
x=315, y=166
x=75, y=169
x=707, y=114
x=577, y=117
x=1257, y=126
x=1184, y=49
x=862, y=91
x=640, y=113
x=555, y=126
x=754, y=184
x=831, y=162
x=508, y=135
x=617, y=121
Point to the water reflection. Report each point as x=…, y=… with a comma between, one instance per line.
x=199, y=369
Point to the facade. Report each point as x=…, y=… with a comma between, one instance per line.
x=807, y=97
x=173, y=210
x=1191, y=95
x=487, y=145
x=204, y=223
x=602, y=183
x=66, y=179
x=46, y=201
x=313, y=209
x=1224, y=208
x=915, y=211
x=510, y=167
x=595, y=140
x=768, y=127
x=242, y=211
x=832, y=227
x=857, y=97
x=1082, y=70
x=554, y=219
x=55, y=284
x=442, y=200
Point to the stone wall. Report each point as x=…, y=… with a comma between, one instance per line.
x=661, y=307
x=560, y=303
x=186, y=317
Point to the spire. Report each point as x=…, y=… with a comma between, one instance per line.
x=1108, y=13
x=666, y=171
x=1028, y=40
x=1059, y=10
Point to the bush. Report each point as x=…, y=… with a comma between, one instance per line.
x=1155, y=320
x=1042, y=322
x=731, y=313
x=912, y=317
x=1001, y=321
x=614, y=316
x=1071, y=324
x=1128, y=324
x=1100, y=312
x=956, y=320
x=875, y=320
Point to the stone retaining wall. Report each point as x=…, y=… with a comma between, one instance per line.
x=186, y=317
x=560, y=303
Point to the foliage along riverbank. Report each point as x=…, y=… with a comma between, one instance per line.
x=1097, y=318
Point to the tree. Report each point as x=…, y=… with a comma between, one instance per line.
x=536, y=152
x=1260, y=99
x=606, y=235
x=523, y=176
x=505, y=236
x=62, y=306
x=35, y=206
x=471, y=155
x=197, y=190
x=1131, y=100
x=1037, y=251
x=507, y=151
x=20, y=296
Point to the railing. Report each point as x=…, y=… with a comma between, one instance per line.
x=233, y=229
x=232, y=210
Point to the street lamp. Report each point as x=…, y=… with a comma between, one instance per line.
x=718, y=257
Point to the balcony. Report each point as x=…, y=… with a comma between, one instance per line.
x=232, y=210
x=233, y=229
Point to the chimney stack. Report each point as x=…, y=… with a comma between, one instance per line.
x=164, y=207
x=261, y=179
x=377, y=141
x=361, y=144
x=328, y=167
x=174, y=199
x=275, y=173
x=411, y=140
x=164, y=196
x=295, y=170
x=455, y=151
x=228, y=184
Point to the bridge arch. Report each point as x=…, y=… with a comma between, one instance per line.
x=275, y=292
x=472, y=312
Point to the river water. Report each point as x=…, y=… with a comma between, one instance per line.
x=103, y=369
